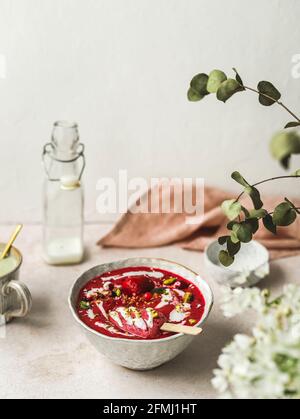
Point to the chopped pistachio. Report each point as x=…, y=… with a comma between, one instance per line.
x=159, y=291
x=170, y=281
x=188, y=297
x=117, y=292
x=84, y=305
x=154, y=314
x=192, y=321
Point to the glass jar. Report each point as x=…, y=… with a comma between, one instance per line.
x=64, y=163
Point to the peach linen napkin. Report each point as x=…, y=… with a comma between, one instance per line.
x=145, y=230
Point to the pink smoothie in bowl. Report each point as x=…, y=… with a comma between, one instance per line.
x=133, y=303
x=122, y=305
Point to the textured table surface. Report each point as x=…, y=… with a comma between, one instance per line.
x=46, y=355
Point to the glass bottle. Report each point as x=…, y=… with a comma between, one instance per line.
x=63, y=196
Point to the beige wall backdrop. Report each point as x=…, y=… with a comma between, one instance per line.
x=121, y=69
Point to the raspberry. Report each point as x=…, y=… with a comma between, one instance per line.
x=148, y=296
x=137, y=285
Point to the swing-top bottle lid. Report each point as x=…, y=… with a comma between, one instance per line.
x=65, y=139
x=64, y=150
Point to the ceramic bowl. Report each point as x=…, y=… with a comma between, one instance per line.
x=140, y=354
x=250, y=267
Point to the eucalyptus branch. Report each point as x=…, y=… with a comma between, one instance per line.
x=268, y=180
x=242, y=229
x=275, y=101
x=244, y=223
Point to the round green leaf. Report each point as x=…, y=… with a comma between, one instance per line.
x=269, y=225
x=239, y=179
x=244, y=232
x=199, y=84
x=234, y=238
x=284, y=145
x=194, y=96
x=267, y=88
x=254, y=224
x=231, y=209
x=222, y=240
x=284, y=215
x=215, y=79
x=250, y=190
x=255, y=197
x=225, y=258
x=292, y=125
x=233, y=247
x=227, y=89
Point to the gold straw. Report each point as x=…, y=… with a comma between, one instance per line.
x=11, y=241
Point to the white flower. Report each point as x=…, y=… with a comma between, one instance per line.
x=266, y=365
x=220, y=382
x=238, y=300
